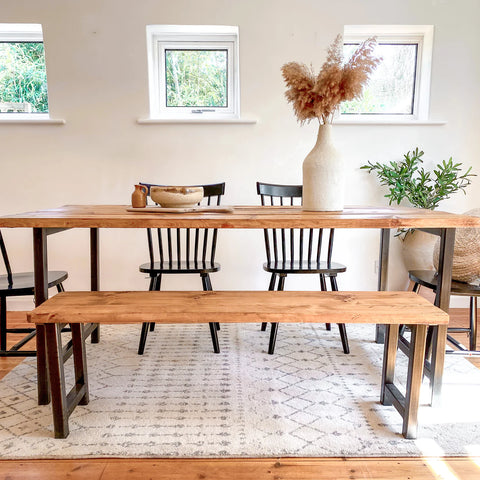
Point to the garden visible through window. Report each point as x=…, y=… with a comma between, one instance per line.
x=193, y=72
x=196, y=78
x=399, y=89
x=391, y=88
x=23, y=76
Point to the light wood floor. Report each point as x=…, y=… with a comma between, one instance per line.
x=450, y=468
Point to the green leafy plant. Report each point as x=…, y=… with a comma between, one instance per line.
x=23, y=76
x=407, y=179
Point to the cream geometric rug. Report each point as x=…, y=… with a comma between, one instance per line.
x=181, y=400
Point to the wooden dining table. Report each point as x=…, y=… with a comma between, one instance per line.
x=94, y=217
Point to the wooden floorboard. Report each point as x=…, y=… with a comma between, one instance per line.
x=420, y=468
x=245, y=469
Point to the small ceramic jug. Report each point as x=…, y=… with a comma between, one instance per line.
x=139, y=196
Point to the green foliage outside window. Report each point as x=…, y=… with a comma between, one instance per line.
x=23, y=76
x=196, y=78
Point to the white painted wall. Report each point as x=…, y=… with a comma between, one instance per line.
x=97, y=78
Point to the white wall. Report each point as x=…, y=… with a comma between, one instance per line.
x=97, y=80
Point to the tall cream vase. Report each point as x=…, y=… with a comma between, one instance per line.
x=323, y=175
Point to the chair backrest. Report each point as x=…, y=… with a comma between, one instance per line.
x=6, y=261
x=195, y=246
x=287, y=246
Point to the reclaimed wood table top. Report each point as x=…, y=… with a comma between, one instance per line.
x=117, y=216
x=238, y=306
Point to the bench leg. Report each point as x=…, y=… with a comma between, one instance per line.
x=439, y=338
x=389, y=356
x=63, y=404
x=406, y=405
x=80, y=362
x=414, y=380
x=57, y=380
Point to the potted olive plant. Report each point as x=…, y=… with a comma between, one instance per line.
x=407, y=180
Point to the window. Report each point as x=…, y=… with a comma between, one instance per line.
x=23, y=77
x=399, y=89
x=193, y=71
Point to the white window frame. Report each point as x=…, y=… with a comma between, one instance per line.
x=201, y=37
x=422, y=35
x=22, y=32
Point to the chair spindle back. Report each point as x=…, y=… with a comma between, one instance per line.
x=194, y=246
x=288, y=247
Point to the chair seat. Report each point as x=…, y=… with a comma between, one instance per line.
x=179, y=267
x=24, y=283
x=304, y=267
x=428, y=278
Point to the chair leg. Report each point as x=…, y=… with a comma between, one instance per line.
x=273, y=338
x=214, y=326
x=60, y=287
x=156, y=286
x=210, y=288
x=3, y=324
x=155, y=283
x=341, y=326
x=274, y=329
x=343, y=337
x=473, y=323
x=271, y=287
x=323, y=288
x=143, y=338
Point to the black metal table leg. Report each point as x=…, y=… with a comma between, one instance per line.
x=442, y=300
x=41, y=294
x=94, y=273
x=382, y=275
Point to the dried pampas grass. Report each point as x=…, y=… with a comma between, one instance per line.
x=319, y=96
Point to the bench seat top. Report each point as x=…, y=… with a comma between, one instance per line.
x=238, y=307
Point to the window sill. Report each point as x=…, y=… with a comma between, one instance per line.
x=390, y=122
x=240, y=121
x=31, y=120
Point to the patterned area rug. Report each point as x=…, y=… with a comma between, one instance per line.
x=181, y=400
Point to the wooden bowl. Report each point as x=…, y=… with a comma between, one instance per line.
x=176, y=197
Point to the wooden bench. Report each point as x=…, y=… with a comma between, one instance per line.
x=390, y=308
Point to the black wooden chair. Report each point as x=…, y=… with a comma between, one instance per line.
x=183, y=251
x=428, y=279
x=16, y=285
x=297, y=251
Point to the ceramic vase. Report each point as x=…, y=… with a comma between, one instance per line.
x=323, y=175
x=139, y=196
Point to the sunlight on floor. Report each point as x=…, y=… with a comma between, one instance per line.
x=440, y=469
x=432, y=457
x=474, y=452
